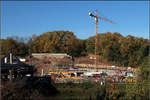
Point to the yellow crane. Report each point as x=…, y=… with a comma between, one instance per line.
x=96, y=30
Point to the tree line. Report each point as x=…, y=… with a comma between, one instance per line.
x=127, y=51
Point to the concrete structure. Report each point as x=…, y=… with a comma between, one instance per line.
x=51, y=55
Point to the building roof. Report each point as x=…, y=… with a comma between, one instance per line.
x=52, y=55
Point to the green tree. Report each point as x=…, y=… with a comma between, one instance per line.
x=90, y=45
x=109, y=46
x=140, y=90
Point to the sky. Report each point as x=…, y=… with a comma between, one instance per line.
x=24, y=18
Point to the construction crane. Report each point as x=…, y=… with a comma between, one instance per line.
x=96, y=30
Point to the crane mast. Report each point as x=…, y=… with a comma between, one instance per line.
x=96, y=40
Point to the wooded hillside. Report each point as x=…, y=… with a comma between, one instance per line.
x=127, y=51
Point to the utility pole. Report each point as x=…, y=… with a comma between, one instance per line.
x=96, y=30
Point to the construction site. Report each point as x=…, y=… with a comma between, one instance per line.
x=63, y=68
x=58, y=66
x=60, y=71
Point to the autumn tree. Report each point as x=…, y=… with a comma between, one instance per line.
x=12, y=45
x=110, y=46
x=9, y=45
x=115, y=48
x=127, y=51
x=57, y=42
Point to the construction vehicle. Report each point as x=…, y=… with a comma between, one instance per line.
x=69, y=75
x=65, y=75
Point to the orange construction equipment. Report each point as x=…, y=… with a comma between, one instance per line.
x=65, y=75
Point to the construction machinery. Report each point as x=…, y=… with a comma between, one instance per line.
x=65, y=75
x=69, y=75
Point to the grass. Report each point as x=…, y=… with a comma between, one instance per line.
x=81, y=91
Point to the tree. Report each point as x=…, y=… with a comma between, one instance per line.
x=140, y=90
x=90, y=45
x=110, y=46
x=9, y=45
x=18, y=47
x=57, y=42
x=127, y=51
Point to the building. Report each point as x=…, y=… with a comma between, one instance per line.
x=12, y=67
x=50, y=55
